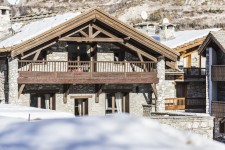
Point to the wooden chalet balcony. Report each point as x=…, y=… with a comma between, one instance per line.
x=86, y=72
x=218, y=72
x=218, y=109
x=194, y=72
x=184, y=103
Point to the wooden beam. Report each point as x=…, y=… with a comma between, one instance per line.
x=185, y=55
x=98, y=92
x=83, y=33
x=66, y=88
x=103, y=31
x=96, y=34
x=39, y=101
x=113, y=104
x=81, y=97
x=21, y=90
x=90, y=29
x=85, y=39
x=40, y=49
x=140, y=51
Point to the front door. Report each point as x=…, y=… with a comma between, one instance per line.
x=81, y=107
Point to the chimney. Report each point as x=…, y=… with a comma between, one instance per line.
x=5, y=24
x=166, y=30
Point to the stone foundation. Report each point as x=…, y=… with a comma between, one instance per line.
x=202, y=125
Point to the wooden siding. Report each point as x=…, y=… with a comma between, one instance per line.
x=218, y=73
x=218, y=109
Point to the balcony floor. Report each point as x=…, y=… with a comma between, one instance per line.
x=27, y=77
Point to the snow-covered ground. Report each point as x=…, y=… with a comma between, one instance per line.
x=23, y=112
x=113, y=132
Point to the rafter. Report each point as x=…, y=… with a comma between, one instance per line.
x=83, y=33
x=96, y=34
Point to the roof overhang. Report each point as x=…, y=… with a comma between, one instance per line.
x=210, y=38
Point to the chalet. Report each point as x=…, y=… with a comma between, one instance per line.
x=85, y=63
x=186, y=79
x=213, y=48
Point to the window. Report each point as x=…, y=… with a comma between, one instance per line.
x=117, y=103
x=44, y=101
x=3, y=12
x=119, y=56
x=81, y=107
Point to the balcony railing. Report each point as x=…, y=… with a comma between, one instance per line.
x=194, y=72
x=86, y=66
x=184, y=103
x=87, y=72
x=218, y=109
x=218, y=72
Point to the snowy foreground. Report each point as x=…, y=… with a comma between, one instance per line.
x=96, y=133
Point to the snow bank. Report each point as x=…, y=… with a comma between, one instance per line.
x=119, y=132
x=23, y=112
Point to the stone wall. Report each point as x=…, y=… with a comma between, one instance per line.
x=195, y=59
x=196, y=90
x=202, y=125
x=13, y=84
x=160, y=102
x=170, y=87
x=140, y=94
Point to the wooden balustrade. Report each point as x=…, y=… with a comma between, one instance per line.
x=218, y=109
x=174, y=103
x=218, y=72
x=84, y=66
x=184, y=103
x=86, y=72
x=194, y=72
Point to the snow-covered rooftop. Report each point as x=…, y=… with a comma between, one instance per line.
x=8, y=110
x=116, y=132
x=25, y=32
x=182, y=37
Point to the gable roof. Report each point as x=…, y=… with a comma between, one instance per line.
x=66, y=26
x=217, y=37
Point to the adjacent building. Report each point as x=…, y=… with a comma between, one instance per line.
x=213, y=48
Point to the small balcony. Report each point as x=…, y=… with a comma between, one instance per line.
x=218, y=72
x=194, y=72
x=86, y=72
x=187, y=104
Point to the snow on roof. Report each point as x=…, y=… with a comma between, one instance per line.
x=7, y=110
x=35, y=28
x=182, y=37
x=120, y=132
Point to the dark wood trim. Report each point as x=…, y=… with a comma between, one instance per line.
x=81, y=97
